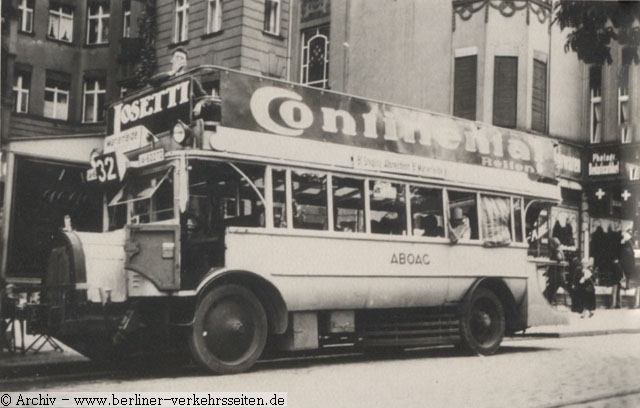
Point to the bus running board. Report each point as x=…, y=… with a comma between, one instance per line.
x=406, y=328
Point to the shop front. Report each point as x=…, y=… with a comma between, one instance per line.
x=45, y=190
x=613, y=197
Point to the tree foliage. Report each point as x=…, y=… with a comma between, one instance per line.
x=594, y=25
x=148, y=62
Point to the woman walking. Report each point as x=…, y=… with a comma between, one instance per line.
x=583, y=293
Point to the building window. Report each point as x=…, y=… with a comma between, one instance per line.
x=25, y=16
x=98, y=24
x=595, y=112
x=505, y=91
x=539, y=96
x=464, y=87
x=181, y=28
x=56, y=99
x=272, y=16
x=315, y=57
x=623, y=105
x=21, y=88
x=126, y=19
x=61, y=23
x=93, y=101
x=214, y=16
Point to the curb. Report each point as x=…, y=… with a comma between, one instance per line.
x=584, y=333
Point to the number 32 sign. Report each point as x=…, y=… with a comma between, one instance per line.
x=107, y=168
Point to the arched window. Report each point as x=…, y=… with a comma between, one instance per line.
x=315, y=57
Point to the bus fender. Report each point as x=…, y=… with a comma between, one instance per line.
x=269, y=295
x=513, y=313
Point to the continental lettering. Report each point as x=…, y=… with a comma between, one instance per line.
x=284, y=112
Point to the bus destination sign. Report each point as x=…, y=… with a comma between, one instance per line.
x=309, y=113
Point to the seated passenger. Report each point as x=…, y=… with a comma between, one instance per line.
x=430, y=227
x=458, y=226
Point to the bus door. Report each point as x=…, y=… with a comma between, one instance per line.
x=146, y=205
x=221, y=195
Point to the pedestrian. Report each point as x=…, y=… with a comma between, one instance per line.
x=627, y=258
x=623, y=266
x=555, y=273
x=583, y=292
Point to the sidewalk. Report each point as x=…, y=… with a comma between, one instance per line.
x=604, y=321
x=51, y=362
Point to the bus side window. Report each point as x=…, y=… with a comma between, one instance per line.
x=463, y=211
x=243, y=206
x=496, y=219
x=309, y=191
x=388, y=209
x=426, y=212
x=348, y=204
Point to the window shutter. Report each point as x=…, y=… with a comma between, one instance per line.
x=539, y=96
x=465, y=84
x=505, y=91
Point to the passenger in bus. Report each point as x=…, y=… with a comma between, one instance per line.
x=430, y=227
x=458, y=226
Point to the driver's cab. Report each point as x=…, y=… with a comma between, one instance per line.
x=166, y=222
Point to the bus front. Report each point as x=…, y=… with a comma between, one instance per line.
x=113, y=292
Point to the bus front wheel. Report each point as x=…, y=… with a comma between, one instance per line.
x=229, y=330
x=482, y=323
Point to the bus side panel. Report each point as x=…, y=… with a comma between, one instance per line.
x=319, y=272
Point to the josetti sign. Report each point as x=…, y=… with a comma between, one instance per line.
x=157, y=109
x=273, y=107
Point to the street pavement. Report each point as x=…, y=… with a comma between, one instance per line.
x=603, y=322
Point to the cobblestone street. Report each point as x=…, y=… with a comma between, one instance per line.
x=599, y=371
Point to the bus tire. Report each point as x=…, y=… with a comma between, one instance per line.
x=229, y=331
x=482, y=323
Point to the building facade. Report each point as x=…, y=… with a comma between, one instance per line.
x=499, y=62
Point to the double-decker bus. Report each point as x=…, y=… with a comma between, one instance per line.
x=241, y=210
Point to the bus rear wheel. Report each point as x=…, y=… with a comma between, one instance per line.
x=482, y=323
x=229, y=330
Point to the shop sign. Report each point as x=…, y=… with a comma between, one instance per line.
x=308, y=113
x=604, y=162
x=633, y=171
x=568, y=161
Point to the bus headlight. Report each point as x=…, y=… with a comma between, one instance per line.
x=181, y=133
